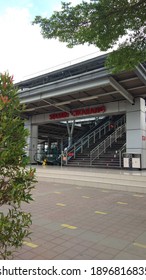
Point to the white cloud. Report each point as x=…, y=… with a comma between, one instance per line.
x=23, y=49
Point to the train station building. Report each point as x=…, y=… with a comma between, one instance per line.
x=83, y=115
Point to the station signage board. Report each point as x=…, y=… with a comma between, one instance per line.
x=78, y=112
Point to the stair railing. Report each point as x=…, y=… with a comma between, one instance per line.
x=102, y=147
x=120, y=121
x=89, y=139
x=121, y=151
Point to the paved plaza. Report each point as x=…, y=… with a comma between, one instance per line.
x=73, y=222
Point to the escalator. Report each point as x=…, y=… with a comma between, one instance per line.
x=51, y=157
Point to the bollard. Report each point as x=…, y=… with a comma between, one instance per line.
x=44, y=162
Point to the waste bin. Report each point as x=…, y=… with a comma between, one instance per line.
x=136, y=161
x=127, y=160
x=132, y=161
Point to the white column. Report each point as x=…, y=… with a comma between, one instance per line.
x=136, y=129
x=70, y=132
x=32, y=140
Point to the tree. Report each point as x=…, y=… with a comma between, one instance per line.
x=16, y=181
x=106, y=24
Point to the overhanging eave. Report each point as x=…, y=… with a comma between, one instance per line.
x=34, y=95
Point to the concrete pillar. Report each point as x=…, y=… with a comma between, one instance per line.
x=32, y=140
x=136, y=129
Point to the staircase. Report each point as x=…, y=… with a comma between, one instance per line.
x=112, y=156
x=83, y=158
x=104, y=152
x=89, y=140
x=78, y=137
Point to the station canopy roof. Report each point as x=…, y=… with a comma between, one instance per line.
x=72, y=84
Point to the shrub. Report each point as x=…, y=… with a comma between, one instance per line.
x=16, y=179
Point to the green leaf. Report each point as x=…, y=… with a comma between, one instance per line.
x=104, y=24
x=16, y=183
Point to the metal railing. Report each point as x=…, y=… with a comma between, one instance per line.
x=102, y=147
x=121, y=151
x=88, y=140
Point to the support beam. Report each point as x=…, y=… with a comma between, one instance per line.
x=63, y=108
x=141, y=73
x=122, y=90
x=82, y=99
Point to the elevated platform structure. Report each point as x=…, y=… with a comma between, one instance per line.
x=83, y=90
x=87, y=83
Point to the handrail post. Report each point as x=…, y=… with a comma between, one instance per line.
x=74, y=151
x=120, y=160
x=100, y=133
x=110, y=140
x=90, y=158
x=88, y=141
x=109, y=127
x=104, y=129
x=66, y=157
x=116, y=135
x=120, y=154
x=81, y=145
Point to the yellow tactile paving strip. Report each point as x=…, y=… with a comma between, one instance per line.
x=103, y=203
x=122, y=203
x=100, y=213
x=57, y=192
x=61, y=204
x=140, y=245
x=29, y=244
x=68, y=226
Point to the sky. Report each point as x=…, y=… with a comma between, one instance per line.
x=24, y=52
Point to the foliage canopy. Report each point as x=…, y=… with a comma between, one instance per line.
x=106, y=24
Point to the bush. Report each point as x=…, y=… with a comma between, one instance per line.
x=16, y=179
